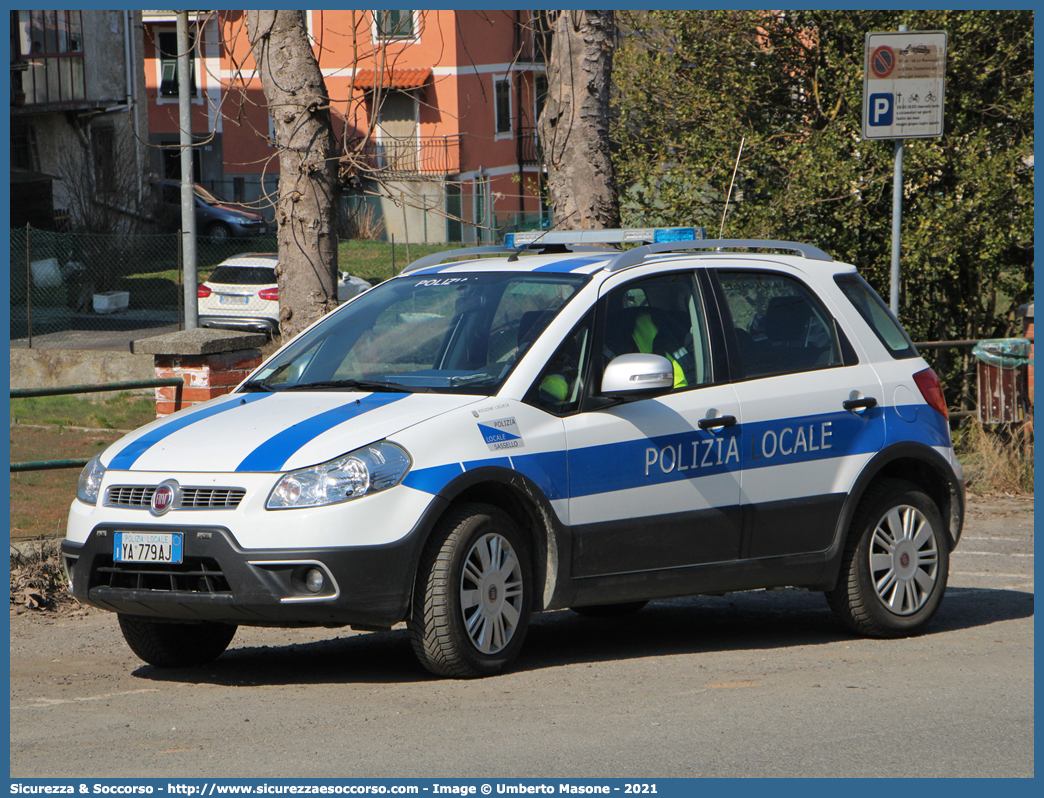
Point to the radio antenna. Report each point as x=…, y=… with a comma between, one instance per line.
x=729, y=197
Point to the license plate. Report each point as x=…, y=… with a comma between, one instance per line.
x=232, y=299
x=163, y=547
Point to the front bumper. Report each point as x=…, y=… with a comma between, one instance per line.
x=218, y=580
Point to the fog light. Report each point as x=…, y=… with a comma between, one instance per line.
x=314, y=580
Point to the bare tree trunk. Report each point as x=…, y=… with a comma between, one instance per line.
x=308, y=187
x=574, y=126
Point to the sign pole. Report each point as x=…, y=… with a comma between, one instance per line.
x=897, y=224
x=897, y=219
x=188, y=185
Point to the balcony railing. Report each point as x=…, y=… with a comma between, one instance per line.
x=424, y=155
x=528, y=147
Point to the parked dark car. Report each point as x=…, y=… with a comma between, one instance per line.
x=215, y=218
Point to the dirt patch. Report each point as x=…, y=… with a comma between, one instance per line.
x=40, y=499
x=38, y=581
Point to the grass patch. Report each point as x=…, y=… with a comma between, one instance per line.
x=377, y=261
x=121, y=411
x=997, y=458
x=42, y=429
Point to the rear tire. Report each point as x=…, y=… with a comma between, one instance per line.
x=610, y=610
x=473, y=595
x=176, y=645
x=896, y=563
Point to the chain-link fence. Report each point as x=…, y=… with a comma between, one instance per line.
x=437, y=218
x=93, y=291
x=89, y=291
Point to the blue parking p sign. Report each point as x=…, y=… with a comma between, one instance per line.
x=881, y=110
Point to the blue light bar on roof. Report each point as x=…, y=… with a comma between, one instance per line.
x=641, y=235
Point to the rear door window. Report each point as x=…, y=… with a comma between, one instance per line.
x=780, y=326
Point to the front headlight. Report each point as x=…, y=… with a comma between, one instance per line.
x=90, y=481
x=242, y=220
x=359, y=473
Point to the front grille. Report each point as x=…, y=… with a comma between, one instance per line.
x=129, y=496
x=140, y=497
x=195, y=575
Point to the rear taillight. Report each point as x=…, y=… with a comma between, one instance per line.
x=271, y=294
x=203, y=292
x=931, y=390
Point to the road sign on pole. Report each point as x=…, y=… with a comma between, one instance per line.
x=904, y=84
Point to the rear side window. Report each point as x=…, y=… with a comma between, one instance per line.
x=243, y=275
x=780, y=327
x=877, y=314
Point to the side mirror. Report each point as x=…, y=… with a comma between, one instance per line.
x=637, y=376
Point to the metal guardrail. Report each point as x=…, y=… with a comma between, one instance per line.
x=24, y=393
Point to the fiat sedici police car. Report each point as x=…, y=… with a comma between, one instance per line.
x=553, y=423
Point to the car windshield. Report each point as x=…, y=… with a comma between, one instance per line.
x=243, y=275
x=459, y=333
x=208, y=197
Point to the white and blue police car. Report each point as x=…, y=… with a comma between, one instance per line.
x=552, y=423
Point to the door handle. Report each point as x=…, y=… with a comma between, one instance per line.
x=714, y=423
x=859, y=404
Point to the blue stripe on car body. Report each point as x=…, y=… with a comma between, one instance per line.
x=623, y=465
x=273, y=454
x=129, y=455
x=572, y=264
x=433, y=479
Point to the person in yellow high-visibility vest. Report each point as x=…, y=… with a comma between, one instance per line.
x=644, y=334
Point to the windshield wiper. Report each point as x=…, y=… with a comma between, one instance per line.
x=363, y=385
x=471, y=379
x=256, y=385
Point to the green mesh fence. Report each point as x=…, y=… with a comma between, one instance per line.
x=89, y=291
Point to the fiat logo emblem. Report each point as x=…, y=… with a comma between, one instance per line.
x=904, y=560
x=492, y=592
x=163, y=498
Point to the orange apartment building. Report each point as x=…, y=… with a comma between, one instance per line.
x=440, y=106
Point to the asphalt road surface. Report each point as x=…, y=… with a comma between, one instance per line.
x=750, y=684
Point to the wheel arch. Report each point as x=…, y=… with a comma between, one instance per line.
x=914, y=462
x=525, y=502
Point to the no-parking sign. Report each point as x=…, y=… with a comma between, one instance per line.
x=904, y=84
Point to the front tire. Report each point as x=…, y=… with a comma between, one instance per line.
x=176, y=645
x=473, y=594
x=219, y=231
x=895, y=565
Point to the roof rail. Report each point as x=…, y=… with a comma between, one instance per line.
x=438, y=257
x=540, y=247
x=633, y=257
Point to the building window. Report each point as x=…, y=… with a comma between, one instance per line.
x=50, y=44
x=539, y=96
x=394, y=24
x=24, y=153
x=103, y=149
x=542, y=27
x=167, y=44
x=502, y=99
